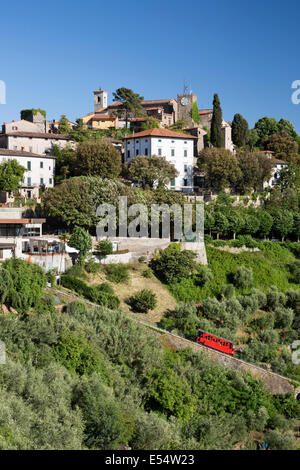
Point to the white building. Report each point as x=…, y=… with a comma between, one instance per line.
x=176, y=148
x=33, y=142
x=40, y=170
x=278, y=166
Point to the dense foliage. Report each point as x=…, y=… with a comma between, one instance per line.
x=93, y=379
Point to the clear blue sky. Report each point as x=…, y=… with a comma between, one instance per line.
x=54, y=54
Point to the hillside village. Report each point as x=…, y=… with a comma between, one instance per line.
x=73, y=290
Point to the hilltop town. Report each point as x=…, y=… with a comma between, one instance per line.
x=149, y=277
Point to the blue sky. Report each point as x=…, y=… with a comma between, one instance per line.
x=54, y=54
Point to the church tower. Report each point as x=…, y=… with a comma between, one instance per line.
x=100, y=99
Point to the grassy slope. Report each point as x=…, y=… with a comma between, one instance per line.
x=137, y=282
x=270, y=267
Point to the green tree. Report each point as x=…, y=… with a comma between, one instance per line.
x=172, y=265
x=63, y=125
x=221, y=168
x=265, y=127
x=195, y=113
x=143, y=301
x=253, y=139
x=283, y=146
x=151, y=123
x=216, y=136
x=130, y=103
x=170, y=394
x=255, y=168
x=221, y=223
x=265, y=222
x=97, y=158
x=81, y=241
x=287, y=126
x=11, y=175
x=283, y=222
x=150, y=170
x=22, y=285
x=240, y=131
x=104, y=247
x=243, y=277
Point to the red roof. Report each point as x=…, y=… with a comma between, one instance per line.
x=160, y=133
x=205, y=111
x=96, y=117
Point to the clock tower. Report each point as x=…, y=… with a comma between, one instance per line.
x=184, y=105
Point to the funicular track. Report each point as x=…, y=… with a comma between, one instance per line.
x=274, y=383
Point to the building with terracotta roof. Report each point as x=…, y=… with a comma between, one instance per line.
x=34, y=142
x=177, y=148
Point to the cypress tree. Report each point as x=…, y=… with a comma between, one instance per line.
x=216, y=137
x=195, y=113
x=240, y=131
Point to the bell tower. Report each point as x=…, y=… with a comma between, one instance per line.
x=100, y=99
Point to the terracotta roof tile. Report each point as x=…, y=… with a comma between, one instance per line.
x=160, y=133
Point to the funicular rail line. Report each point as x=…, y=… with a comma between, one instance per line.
x=275, y=383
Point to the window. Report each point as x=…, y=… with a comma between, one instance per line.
x=172, y=152
x=146, y=151
x=30, y=149
x=172, y=182
x=28, y=181
x=29, y=166
x=41, y=165
x=185, y=182
x=159, y=152
x=128, y=153
x=41, y=180
x=159, y=140
x=185, y=168
x=50, y=180
x=185, y=153
x=137, y=152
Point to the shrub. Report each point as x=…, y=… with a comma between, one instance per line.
x=95, y=294
x=204, y=276
x=22, y=284
x=275, y=298
x=51, y=279
x=76, y=307
x=292, y=298
x=117, y=272
x=46, y=304
x=283, y=317
x=91, y=266
x=143, y=301
x=77, y=271
x=106, y=287
x=172, y=265
x=104, y=247
x=243, y=277
x=228, y=291
x=269, y=337
x=142, y=259
x=148, y=273
x=75, y=353
x=266, y=321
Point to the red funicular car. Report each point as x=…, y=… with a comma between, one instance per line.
x=214, y=342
